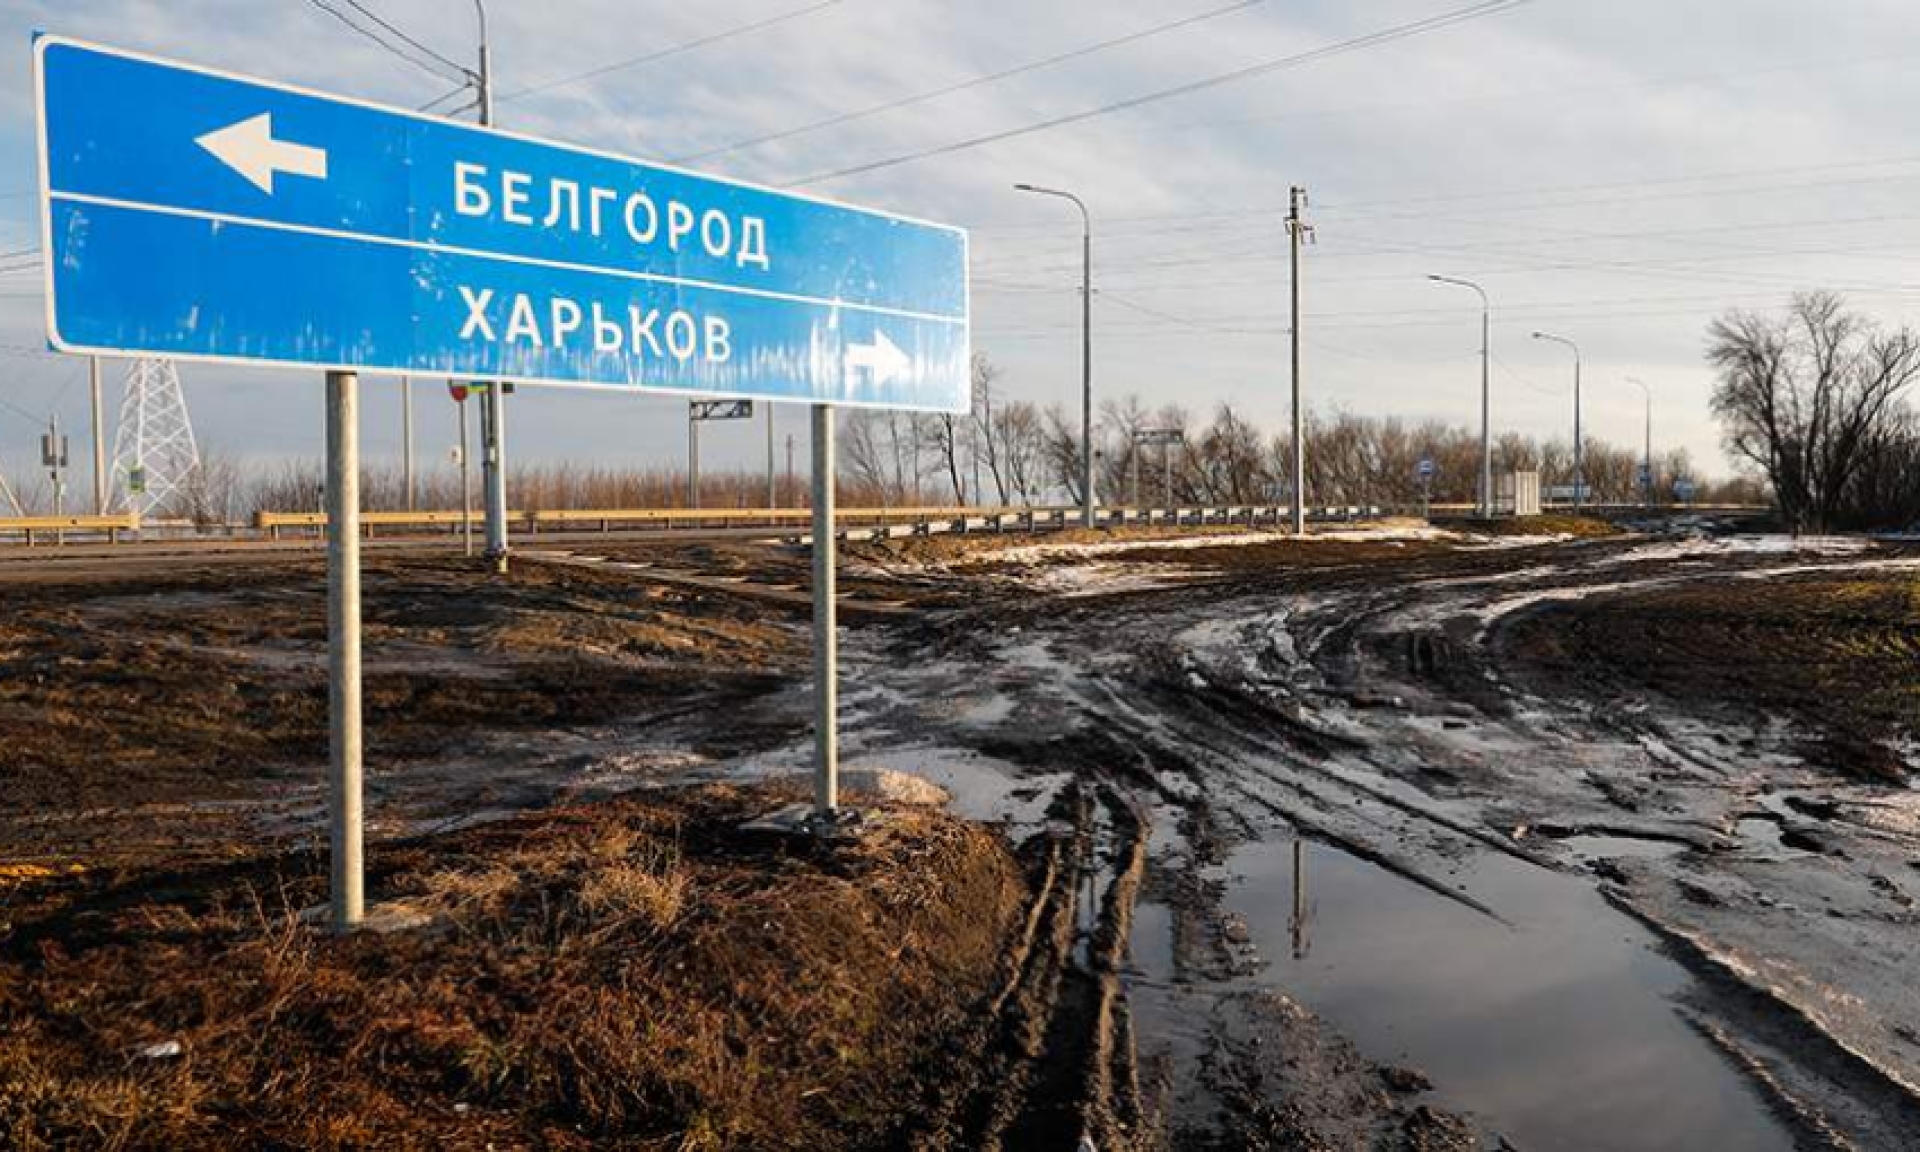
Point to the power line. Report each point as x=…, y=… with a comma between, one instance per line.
x=424, y=64
x=462, y=89
x=672, y=50
x=1185, y=322
x=1355, y=44
x=376, y=18
x=964, y=85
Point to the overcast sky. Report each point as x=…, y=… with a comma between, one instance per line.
x=1618, y=173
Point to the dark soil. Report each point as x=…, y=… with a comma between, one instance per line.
x=637, y=973
x=189, y=686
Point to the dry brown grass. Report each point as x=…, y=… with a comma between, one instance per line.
x=634, y=973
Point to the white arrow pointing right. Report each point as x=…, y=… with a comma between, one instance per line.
x=883, y=358
x=249, y=148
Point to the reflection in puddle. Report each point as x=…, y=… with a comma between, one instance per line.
x=1559, y=1032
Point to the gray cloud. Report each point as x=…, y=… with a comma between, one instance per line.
x=1620, y=173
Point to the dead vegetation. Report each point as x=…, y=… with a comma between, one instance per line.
x=638, y=973
x=1552, y=524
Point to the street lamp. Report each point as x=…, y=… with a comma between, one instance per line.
x=1579, y=457
x=1486, y=391
x=1086, y=344
x=1646, y=475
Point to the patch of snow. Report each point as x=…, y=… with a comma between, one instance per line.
x=1719, y=546
x=1034, y=553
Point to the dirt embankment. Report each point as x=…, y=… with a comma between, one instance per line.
x=187, y=686
x=1838, y=654
x=638, y=972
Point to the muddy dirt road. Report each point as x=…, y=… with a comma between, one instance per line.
x=1398, y=839
x=1393, y=838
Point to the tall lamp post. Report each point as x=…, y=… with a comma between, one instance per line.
x=1646, y=461
x=1086, y=344
x=1579, y=451
x=1486, y=391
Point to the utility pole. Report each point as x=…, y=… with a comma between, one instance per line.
x=789, y=463
x=1086, y=346
x=99, y=439
x=1579, y=455
x=1298, y=229
x=493, y=404
x=773, y=497
x=53, y=453
x=1486, y=392
x=406, y=438
x=1646, y=460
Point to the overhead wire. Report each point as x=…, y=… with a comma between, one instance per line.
x=672, y=50
x=1388, y=35
x=463, y=89
x=370, y=14
x=425, y=64
x=968, y=84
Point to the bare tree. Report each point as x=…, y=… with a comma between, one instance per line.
x=1060, y=443
x=1023, y=449
x=864, y=451
x=986, y=431
x=1804, y=396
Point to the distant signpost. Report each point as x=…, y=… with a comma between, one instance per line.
x=193, y=214
x=1425, y=470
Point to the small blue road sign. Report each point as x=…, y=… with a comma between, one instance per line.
x=198, y=215
x=1683, y=490
x=1646, y=476
x=1425, y=469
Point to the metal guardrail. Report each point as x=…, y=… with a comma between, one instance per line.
x=58, y=526
x=867, y=522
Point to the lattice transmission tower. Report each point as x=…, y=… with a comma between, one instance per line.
x=154, y=454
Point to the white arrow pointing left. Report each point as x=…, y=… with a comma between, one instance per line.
x=250, y=149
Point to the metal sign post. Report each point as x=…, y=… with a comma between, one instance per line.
x=698, y=413
x=1166, y=438
x=1425, y=470
x=402, y=243
x=826, y=636
x=464, y=458
x=343, y=648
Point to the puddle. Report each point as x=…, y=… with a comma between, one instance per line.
x=1558, y=1032
x=983, y=789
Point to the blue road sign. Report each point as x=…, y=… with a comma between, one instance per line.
x=1683, y=489
x=194, y=214
x=1425, y=469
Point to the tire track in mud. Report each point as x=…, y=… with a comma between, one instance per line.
x=1052, y=1062
x=1231, y=744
